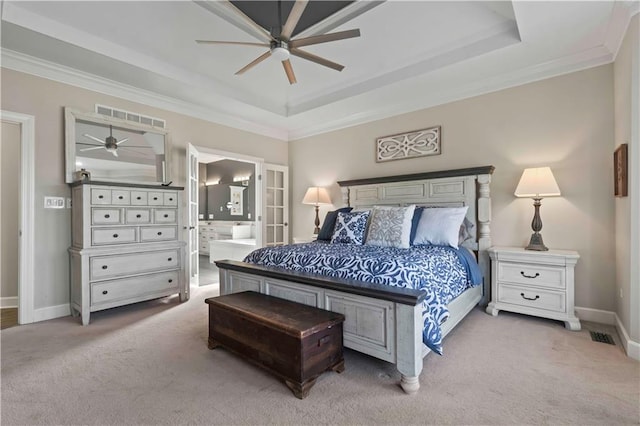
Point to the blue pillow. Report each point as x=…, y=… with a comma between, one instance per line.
x=350, y=228
x=417, y=213
x=330, y=222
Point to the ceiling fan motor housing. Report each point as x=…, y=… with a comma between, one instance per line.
x=280, y=50
x=110, y=143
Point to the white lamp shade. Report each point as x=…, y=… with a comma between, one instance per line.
x=316, y=196
x=537, y=183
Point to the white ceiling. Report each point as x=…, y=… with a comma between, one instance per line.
x=411, y=55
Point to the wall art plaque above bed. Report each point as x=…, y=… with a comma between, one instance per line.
x=418, y=143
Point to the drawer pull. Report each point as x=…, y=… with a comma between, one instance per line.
x=166, y=215
x=529, y=276
x=325, y=339
x=115, y=235
x=155, y=198
x=104, y=266
x=105, y=292
x=159, y=233
x=529, y=298
x=138, y=216
x=107, y=216
x=169, y=259
x=100, y=197
x=170, y=280
x=120, y=197
x=170, y=199
x=138, y=198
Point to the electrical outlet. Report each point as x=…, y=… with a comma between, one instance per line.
x=68, y=203
x=54, y=202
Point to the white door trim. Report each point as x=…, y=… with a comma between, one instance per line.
x=27, y=216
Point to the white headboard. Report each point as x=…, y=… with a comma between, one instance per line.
x=461, y=187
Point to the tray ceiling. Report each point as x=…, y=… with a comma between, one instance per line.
x=411, y=54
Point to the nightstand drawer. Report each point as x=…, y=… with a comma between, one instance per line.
x=535, y=275
x=532, y=297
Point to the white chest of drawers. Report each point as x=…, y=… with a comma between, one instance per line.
x=125, y=245
x=539, y=283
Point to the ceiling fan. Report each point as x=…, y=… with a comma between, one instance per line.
x=110, y=143
x=279, y=42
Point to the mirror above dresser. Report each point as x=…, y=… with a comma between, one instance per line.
x=115, y=150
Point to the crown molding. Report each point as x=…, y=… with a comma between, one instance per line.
x=621, y=15
x=587, y=59
x=30, y=65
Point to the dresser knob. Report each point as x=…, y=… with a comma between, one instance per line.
x=138, y=216
x=170, y=199
x=120, y=197
x=166, y=215
x=115, y=235
x=104, y=266
x=159, y=233
x=155, y=198
x=100, y=197
x=529, y=276
x=105, y=292
x=138, y=198
x=170, y=280
x=169, y=259
x=107, y=216
x=529, y=298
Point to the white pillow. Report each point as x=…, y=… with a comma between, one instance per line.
x=440, y=226
x=390, y=226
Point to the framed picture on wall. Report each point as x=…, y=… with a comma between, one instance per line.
x=620, y=171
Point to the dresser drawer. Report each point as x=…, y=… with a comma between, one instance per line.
x=532, y=297
x=121, y=197
x=100, y=196
x=100, y=236
x=155, y=198
x=531, y=274
x=105, y=216
x=158, y=233
x=170, y=199
x=164, y=216
x=101, y=267
x=138, y=216
x=137, y=287
x=139, y=198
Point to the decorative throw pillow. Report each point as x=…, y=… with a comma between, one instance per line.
x=414, y=223
x=466, y=231
x=329, y=223
x=350, y=228
x=390, y=226
x=440, y=226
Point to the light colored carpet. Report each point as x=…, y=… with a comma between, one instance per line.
x=149, y=364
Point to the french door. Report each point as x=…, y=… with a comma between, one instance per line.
x=192, y=221
x=275, y=180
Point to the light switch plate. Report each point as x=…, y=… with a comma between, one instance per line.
x=54, y=202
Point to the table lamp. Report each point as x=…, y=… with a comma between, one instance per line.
x=537, y=183
x=316, y=196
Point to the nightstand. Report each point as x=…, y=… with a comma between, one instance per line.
x=539, y=283
x=300, y=240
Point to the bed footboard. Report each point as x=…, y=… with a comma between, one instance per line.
x=381, y=321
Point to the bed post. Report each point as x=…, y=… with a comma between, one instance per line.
x=484, y=232
x=409, y=346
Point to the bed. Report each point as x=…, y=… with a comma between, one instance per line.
x=384, y=321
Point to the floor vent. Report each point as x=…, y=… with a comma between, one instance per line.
x=596, y=336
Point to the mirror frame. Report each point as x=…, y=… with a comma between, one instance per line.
x=70, y=117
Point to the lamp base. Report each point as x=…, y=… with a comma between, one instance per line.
x=536, y=243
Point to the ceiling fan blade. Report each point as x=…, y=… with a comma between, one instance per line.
x=93, y=138
x=240, y=43
x=289, y=70
x=254, y=62
x=250, y=25
x=122, y=141
x=292, y=20
x=317, y=59
x=92, y=149
x=340, y=35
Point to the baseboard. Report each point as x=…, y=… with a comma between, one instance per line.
x=631, y=347
x=596, y=315
x=9, y=302
x=51, y=312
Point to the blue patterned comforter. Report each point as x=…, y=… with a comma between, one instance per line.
x=442, y=272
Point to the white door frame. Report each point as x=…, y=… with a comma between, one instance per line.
x=27, y=216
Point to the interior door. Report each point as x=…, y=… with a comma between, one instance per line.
x=192, y=221
x=276, y=205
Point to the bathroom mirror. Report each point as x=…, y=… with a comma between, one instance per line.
x=115, y=150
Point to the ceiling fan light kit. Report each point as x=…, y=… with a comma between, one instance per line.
x=281, y=47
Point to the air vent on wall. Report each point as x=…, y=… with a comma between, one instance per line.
x=130, y=116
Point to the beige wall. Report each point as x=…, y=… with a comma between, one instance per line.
x=9, y=208
x=46, y=99
x=564, y=122
x=626, y=90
